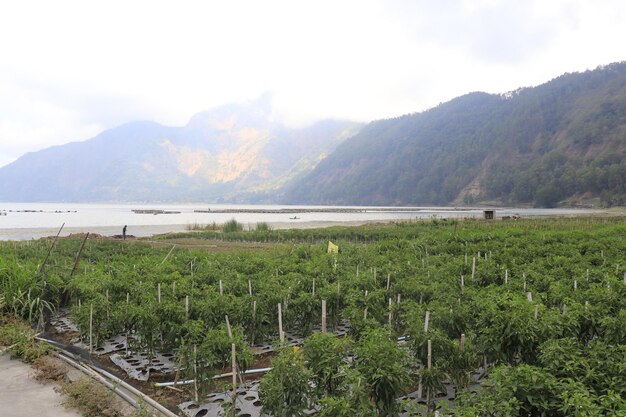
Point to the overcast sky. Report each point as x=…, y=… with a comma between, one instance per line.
x=70, y=69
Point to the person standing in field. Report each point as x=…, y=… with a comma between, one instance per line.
x=124, y=232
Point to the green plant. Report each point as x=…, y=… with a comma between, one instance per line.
x=90, y=397
x=21, y=342
x=285, y=390
x=232, y=226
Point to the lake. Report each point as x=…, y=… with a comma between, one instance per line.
x=20, y=221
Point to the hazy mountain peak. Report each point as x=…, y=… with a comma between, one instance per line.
x=221, y=153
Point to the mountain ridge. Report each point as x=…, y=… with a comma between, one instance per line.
x=220, y=153
x=559, y=142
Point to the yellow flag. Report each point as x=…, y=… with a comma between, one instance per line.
x=332, y=248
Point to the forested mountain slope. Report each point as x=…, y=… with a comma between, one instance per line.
x=564, y=139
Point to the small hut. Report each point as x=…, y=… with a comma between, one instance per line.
x=489, y=214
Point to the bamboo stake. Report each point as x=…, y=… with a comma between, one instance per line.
x=473, y=267
x=195, y=372
x=506, y=276
x=281, y=335
x=250, y=288
x=389, y=320
x=91, y=328
x=323, y=316
x=462, y=343
x=159, y=292
x=426, y=322
x=43, y=264
x=313, y=291
x=430, y=354
x=187, y=307
x=80, y=251
x=536, y=311
x=221, y=288
x=388, y=281
x=168, y=254
x=529, y=296
x=230, y=333
x=233, y=364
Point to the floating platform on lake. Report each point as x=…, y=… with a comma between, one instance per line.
x=155, y=212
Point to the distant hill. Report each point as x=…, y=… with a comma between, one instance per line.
x=563, y=140
x=229, y=153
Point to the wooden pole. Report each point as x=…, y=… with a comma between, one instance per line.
x=281, y=335
x=506, y=276
x=473, y=267
x=313, y=291
x=54, y=241
x=430, y=354
x=230, y=332
x=389, y=320
x=159, y=292
x=195, y=372
x=324, y=316
x=426, y=320
x=250, y=288
x=187, y=307
x=462, y=344
x=174, y=288
x=536, y=311
x=91, y=328
x=529, y=297
x=233, y=364
x=80, y=251
x=221, y=288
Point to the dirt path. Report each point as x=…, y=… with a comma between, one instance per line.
x=22, y=396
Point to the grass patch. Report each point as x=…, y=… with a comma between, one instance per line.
x=21, y=343
x=89, y=397
x=49, y=369
x=232, y=226
x=263, y=227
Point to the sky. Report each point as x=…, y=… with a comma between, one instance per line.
x=71, y=69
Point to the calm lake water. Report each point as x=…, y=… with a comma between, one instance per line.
x=34, y=220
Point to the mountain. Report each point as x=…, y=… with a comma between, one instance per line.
x=230, y=153
x=564, y=140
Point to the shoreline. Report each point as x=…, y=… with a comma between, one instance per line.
x=142, y=231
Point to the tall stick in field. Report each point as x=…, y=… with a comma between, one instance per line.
x=281, y=334
x=54, y=241
x=80, y=251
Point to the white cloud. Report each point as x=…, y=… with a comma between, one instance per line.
x=70, y=68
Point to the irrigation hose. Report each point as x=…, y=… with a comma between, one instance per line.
x=100, y=374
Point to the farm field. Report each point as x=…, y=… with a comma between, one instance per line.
x=462, y=317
